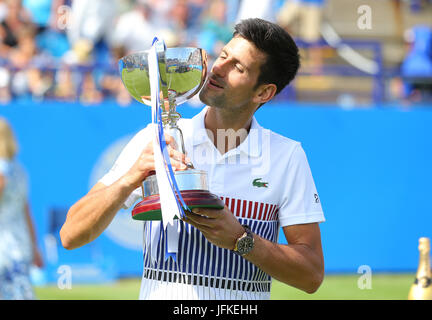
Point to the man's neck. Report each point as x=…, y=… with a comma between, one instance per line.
x=229, y=130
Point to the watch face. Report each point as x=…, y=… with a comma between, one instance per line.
x=245, y=245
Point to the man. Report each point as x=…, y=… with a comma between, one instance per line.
x=263, y=178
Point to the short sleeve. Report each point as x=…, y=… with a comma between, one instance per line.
x=126, y=160
x=301, y=203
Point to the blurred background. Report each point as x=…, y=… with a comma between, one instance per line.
x=361, y=106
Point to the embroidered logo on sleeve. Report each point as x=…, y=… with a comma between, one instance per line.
x=317, y=200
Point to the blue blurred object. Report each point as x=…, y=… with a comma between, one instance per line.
x=40, y=10
x=315, y=2
x=415, y=6
x=416, y=69
x=418, y=62
x=53, y=42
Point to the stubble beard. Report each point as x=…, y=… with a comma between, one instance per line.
x=217, y=101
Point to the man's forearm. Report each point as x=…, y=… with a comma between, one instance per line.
x=299, y=264
x=296, y=265
x=92, y=214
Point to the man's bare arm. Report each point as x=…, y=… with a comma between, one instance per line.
x=93, y=213
x=299, y=264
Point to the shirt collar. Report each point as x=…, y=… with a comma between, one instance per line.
x=251, y=146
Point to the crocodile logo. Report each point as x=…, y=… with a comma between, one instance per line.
x=257, y=183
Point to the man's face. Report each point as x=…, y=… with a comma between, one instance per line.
x=232, y=79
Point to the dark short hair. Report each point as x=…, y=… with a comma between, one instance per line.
x=283, y=58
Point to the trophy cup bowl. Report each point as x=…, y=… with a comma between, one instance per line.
x=183, y=71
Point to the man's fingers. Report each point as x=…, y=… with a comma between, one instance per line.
x=170, y=141
x=199, y=222
x=148, y=148
x=177, y=155
x=178, y=165
x=178, y=159
x=210, y=213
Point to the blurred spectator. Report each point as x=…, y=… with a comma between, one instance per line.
x=418, y=61
x=80, y=54
x=110, y=81
x=65, y=88
x=90, y=94
x=416, y=69
x=14, y=20
x=309, y=13
x=3, y=10
x=51, y=38
x=39, y=12
x=232, y=9
x=53, y=42
x=215, y=32
x=89, y=25
x=18, y=246
x=196, y=10
x=25, y=49
x=91, y=20
x=134, y=30
x=417, y=6
x=29, y=78
x=5, y=94
x=179, y=21
x=40, y=83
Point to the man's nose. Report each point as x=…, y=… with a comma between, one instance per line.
x=220, y=68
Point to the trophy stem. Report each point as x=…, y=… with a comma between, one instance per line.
x=165, y=118
x=170, y=127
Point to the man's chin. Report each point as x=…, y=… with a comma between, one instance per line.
x=203, y=96
x=210, y=101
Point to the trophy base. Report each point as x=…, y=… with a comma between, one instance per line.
x=150, y=209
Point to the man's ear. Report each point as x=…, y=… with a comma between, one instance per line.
x=265, y=93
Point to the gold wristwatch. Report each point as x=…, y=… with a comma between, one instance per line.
x=245, y=243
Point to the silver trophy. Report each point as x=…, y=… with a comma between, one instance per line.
x=183, y=71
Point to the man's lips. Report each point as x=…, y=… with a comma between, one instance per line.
x=214, y=83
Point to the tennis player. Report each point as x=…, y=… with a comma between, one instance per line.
x=263, y=178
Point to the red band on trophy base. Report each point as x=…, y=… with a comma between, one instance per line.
x=150, y=209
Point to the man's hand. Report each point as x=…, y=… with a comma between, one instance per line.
x=92, y=214
x=220, y=227
x=299, y=264
x=145, y=165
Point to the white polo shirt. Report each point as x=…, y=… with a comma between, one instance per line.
x=266, y=182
